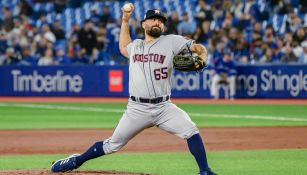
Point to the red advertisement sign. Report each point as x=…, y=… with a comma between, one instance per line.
x=116, y=81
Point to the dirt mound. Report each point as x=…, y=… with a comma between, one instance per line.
x=68, y=141
x=47, y=172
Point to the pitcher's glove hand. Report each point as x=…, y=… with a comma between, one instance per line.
x=187, y=61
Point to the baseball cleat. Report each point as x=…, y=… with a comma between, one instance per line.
x=207, y=172
x=66, y=164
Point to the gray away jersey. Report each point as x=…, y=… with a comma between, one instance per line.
x=151, y=65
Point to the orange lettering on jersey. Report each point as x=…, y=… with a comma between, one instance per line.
x=156, y=58
x=149, y=58
x=162, y=58
x=145, y=58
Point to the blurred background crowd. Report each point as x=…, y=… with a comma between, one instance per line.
x=64, y=32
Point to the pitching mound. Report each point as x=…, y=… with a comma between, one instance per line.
x=47, y=172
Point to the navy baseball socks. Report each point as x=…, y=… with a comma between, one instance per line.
x=197, y=149
x=76, y=160
x=93, y=152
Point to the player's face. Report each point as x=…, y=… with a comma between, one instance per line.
x=153, y=27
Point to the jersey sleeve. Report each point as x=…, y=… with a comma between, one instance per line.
x=129, y=48
x=178, y=42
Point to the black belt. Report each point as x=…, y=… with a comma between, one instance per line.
x=150, y=100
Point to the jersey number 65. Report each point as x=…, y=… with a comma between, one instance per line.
x=161, y=73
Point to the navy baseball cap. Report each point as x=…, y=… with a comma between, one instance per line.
x=154, y=13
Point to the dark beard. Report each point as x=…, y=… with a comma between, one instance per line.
x=154, y=32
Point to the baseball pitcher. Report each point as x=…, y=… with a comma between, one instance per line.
x=150, y=67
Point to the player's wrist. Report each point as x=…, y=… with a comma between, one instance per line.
x=125, y=20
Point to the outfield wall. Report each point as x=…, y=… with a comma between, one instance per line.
x=268, y=81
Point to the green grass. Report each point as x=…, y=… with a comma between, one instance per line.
x=204, y=115
x=89, y=115
x=272, y=162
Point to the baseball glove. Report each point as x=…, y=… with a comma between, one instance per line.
x=187, y=61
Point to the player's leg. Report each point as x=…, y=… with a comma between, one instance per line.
x=215, y=86
x=176, y=121
x=130, y=125
x=132, y=122
x=232, y=86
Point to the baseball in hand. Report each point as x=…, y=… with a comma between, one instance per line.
x=127, y=7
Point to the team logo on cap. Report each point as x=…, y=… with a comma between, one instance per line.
x=157, y=11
